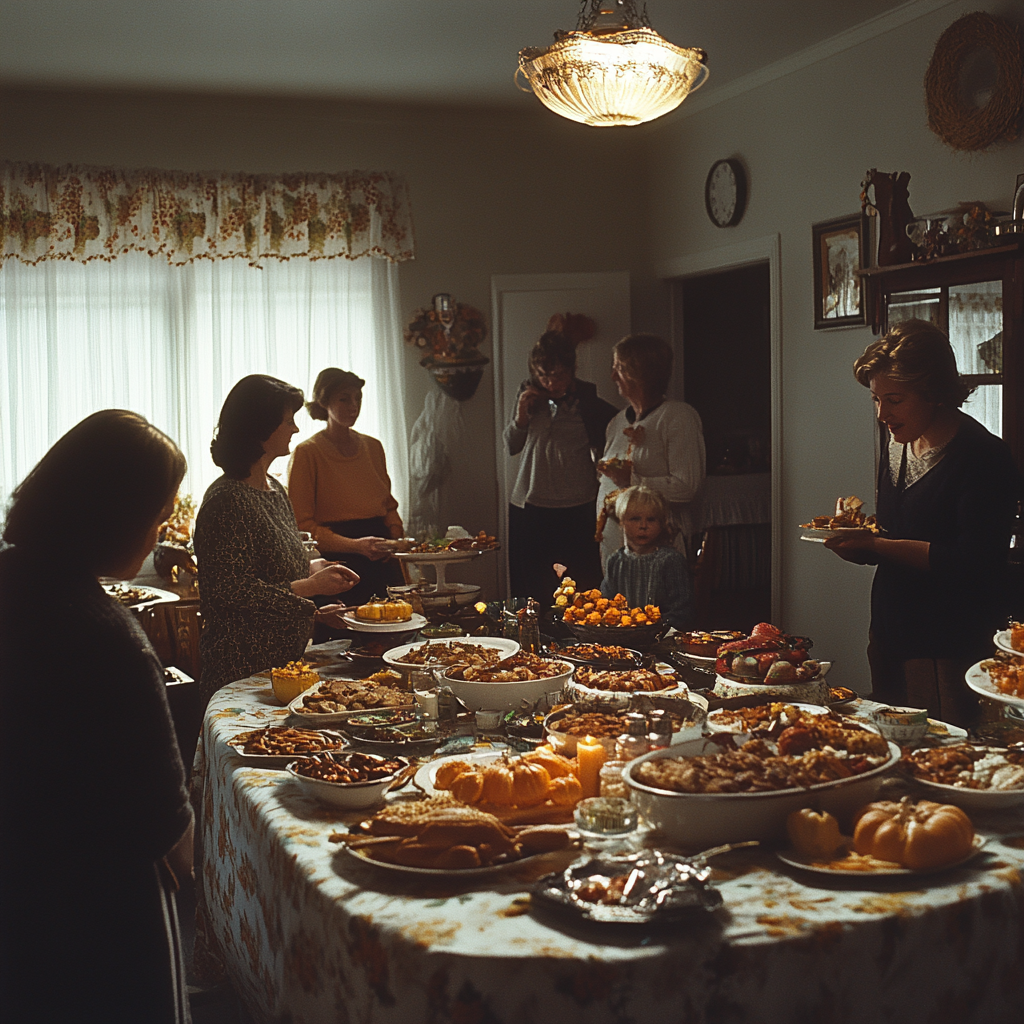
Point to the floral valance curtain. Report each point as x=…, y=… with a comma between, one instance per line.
x=88, y=213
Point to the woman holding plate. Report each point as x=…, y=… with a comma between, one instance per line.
x=947, y=490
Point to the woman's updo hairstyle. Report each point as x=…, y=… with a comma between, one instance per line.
x=253, y=410
x=328, y=383
x=916, y=353
x=120, y=471
x=553, y=352
x=647, y=359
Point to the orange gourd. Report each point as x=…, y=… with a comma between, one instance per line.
x=555, y=765
x=448, y=771
x=813, y=833
x=530, y=783
x=919, y=836
x=565, y=791
x=468, y=786
x=497, y=787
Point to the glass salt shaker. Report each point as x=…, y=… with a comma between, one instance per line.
x=633, y=742
x=612, y=783
x=659, y=729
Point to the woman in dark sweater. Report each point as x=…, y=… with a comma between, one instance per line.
x=99, y=828
x=946, y=494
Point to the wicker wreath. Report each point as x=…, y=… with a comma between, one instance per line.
x=971, y=128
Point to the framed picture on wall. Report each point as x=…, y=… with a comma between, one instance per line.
x=839, y=252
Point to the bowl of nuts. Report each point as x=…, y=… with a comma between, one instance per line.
x=351, y=781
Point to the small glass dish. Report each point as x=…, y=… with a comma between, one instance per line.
x=606, y=816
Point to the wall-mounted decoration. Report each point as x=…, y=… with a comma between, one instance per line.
x=451, y=334
x=974, y=85
x=838, y=255
x=577, y=327
x=887, y=197
x=725, y=193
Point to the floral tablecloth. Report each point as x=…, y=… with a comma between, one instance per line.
x=309, y=934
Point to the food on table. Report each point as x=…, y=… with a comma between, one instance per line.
x=347, y=768
x=597, y=652
x=451, y=652
x=390, y=726
x=604, y=723
x=517, y=667
x=840, y=693
x=336, y=695
x=290, y=680
x=848, y=516
x=813, y=833
x=813, y=750
x=128, y=595
x=1006, y=672
x=565, y=591
x=392, y=609
x=766, y=719
x=921, y=836
x=630, y=681
x=767, y=656
x=968, y=767
x=704, y=643
x=277, y=740
x=1017, y=636
x=592, y=609
x=437, y=834
x=483, y=541
x=371, y=649
x=536, y=778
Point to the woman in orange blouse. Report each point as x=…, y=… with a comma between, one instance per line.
x=340, y=489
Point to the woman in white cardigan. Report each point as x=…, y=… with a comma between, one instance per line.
x=654, y=441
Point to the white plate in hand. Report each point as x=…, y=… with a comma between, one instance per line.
x=980, y=682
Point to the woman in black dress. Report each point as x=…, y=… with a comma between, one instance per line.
x=946, y=495
x=98, y=824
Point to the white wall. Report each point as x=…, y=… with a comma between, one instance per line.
x=492, y=193
x=806, y=140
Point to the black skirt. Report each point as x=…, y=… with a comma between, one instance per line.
x=374, y=576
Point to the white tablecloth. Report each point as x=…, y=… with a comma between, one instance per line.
x=310, y=935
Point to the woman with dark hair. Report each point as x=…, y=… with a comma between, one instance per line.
x=946, y=495
x=99, y=827
x=654, y=441
x=340, y=489
x=256, y=583
x=557, y=429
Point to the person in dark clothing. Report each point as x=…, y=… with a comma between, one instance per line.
x=98, y=823
x=946, y=496
x=557, y=430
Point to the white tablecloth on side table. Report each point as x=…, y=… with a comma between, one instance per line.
x=309, y=935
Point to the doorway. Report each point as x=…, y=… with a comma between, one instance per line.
x=727, y=378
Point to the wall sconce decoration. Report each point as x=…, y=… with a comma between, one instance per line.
x=450, y=333
x=614, y=69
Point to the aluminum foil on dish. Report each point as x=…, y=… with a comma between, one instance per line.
x=644, y=887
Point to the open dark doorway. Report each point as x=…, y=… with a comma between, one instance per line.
x=726, y=339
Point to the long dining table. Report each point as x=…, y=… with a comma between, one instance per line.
x=309, y=933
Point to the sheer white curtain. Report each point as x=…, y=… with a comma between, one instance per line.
x=170, y=341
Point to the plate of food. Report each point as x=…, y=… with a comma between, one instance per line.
x=336, y=700
x=1000, y=678
x=466, y=650
x=1005, y=639
x=969, y=775
x=764, y=720
x=277, y=744
x=409, y=625
x=848, y=517
x=851, y=864
x=579, y=652
x=139, y=597
x=841, y=696
x=590, y=683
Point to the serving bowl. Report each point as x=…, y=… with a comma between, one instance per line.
x=479, y=695
x=393, y=657
x=970, y=799
x=639, y=638
x=565, y=742
x=901, y=725
x=565, y=650
x=708, y=819
x=347, y=795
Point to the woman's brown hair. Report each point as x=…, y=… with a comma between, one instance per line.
x=328, y=383
x=647, y=359
x=917, y=353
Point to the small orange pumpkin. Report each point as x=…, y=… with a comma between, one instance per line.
x=555, y=765
x=530, y=783
x=448, y=771
x=919, y=836
x=467, y=786
x=565, y=791
x=497, y=787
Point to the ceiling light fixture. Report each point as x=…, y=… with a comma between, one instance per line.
x=613, y=69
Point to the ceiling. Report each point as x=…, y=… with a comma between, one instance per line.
x=423, y=51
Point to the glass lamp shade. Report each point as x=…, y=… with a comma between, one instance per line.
x=614, y=78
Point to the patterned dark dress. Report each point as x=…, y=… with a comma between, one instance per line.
x=249, y=552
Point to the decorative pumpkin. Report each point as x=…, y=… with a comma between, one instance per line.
x=468, y=786
x=814, y=833
x=919, y=836
x=554, y=764
x=497, y=787
x=530, y=783
x=448, y=771
x=565, y=791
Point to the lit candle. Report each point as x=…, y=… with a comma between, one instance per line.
x=590, y=755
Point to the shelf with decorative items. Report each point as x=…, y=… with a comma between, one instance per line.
x=451, y=334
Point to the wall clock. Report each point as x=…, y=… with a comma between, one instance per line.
x=725, y=193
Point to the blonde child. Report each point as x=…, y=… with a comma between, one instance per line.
x=647, y=570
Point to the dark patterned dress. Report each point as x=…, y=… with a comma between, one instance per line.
x=249, y=552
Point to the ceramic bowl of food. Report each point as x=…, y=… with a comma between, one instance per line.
x=701, y=820
x=637, y=638
x=507, y=695
x=904, y=726
x=997, y=772
x=324, y=777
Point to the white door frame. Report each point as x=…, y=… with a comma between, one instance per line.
x=768, y=249
x=502, y=284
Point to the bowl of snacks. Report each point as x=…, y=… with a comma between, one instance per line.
x=506, y=684
x=969, y=775
x=292, y=679
x=588, y=655
x=618, y=686
x=352, y=781
x=611, y=622
x=702, y=793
